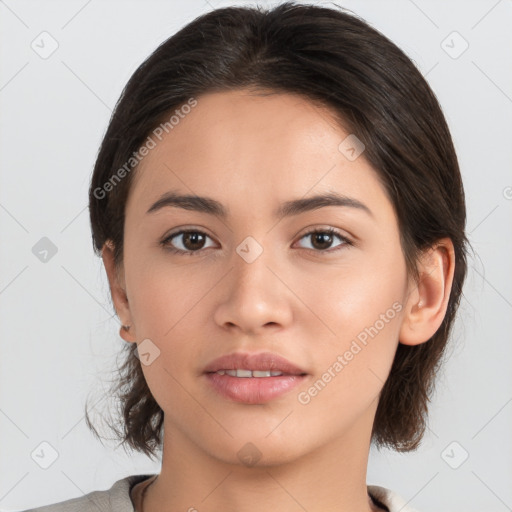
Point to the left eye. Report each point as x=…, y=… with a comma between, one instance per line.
x=192, y=238
x=324, y=237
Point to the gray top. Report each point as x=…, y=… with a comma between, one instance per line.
x=117, y=499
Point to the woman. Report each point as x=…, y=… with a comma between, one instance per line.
x=279, y=209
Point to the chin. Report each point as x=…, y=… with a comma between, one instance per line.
x=257, y=451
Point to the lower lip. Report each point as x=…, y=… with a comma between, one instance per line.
x=253, y=390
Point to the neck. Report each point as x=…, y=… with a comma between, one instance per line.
x=331, y=477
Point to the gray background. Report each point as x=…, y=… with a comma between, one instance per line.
x=58, y=336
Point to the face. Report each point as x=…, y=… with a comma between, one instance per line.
x=253, y=282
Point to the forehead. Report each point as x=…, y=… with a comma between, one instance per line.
x=238, y=146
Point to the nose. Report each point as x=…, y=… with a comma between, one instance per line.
x=253, y=295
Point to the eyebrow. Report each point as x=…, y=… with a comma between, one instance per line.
x=287, y=209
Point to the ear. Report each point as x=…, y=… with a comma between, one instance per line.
x=427, y=300
x=117, y=290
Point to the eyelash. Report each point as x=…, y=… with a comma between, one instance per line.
x=330, y=231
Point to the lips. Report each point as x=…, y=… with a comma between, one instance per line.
x=262, y=362
x=253, y=378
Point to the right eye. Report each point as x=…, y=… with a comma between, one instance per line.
x=192, y=242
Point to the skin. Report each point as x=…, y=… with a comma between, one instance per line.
x=302, y=301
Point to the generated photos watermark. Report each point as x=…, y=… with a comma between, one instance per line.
x=144, y=149
x=342, y=360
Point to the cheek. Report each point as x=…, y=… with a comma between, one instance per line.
x=166, y=308
x=163, y=295
x=354, y=362
x=360, y=309
x=349, y=300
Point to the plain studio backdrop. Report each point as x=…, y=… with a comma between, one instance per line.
x=63, y=66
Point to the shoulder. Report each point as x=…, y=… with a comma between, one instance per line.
x=117, y=499
x=390, y=499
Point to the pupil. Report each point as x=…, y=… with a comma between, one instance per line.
x=324, y=238
x=192, y=236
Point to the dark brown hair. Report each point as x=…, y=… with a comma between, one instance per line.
x=333, y=58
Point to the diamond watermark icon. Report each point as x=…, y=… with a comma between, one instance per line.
x=351, y=147
x=454, y=455
x=147, y=352
x=454, y=45
x=249, y=454
x=44, y=45
x=44, y=250
x=249, y=249
x=44, y=455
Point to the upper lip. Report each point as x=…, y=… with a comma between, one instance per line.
x=246, y=361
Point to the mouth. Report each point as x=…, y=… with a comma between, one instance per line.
x=253, y=378
x=244, y=364
x=253, y=373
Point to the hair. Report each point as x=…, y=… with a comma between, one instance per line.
x=337, y=60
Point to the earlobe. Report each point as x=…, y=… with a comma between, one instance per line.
x=117, y=291
x=427, y=300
